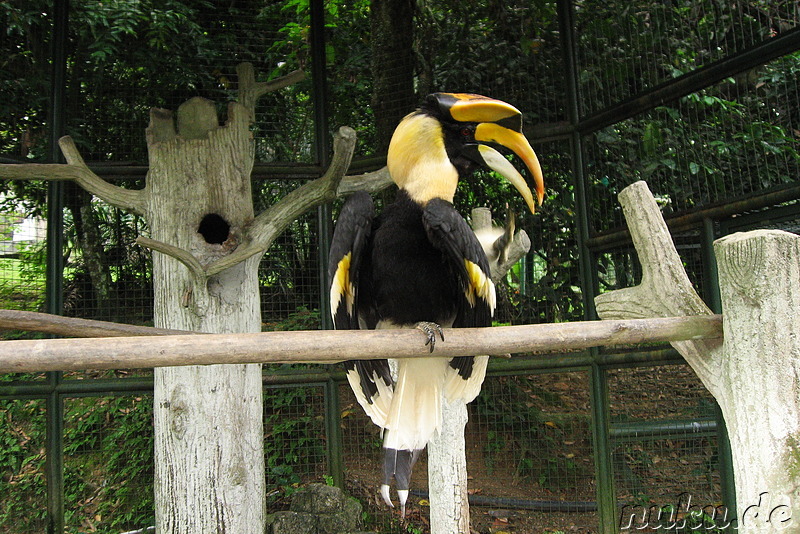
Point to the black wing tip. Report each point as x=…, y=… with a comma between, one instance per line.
x=367, y=370
x=463, y=364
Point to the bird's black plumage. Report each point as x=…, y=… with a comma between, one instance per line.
x=424, y=286
x=421, y=252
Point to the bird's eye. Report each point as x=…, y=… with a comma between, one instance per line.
x=466, y=132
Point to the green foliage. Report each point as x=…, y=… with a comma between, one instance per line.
x=302, y=319
x=292, y=439
x=22, y=279
x=108, y=463
x=22, y=465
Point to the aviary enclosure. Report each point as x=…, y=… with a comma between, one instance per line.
x=698, y=98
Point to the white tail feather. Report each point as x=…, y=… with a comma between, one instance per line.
x=378, y=411
x=456, y=388
x=416, y=409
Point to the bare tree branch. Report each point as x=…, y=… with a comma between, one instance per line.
x=371, y=182
x=133, y=200
x=513, y=251
x=183, y=256
x=665, y=289
x=274, y=220
x=338, y=345
x=77, y=170
x=75, y=327
x=250, y=90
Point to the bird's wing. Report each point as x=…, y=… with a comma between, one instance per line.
x=371, y=380
x=350, y=238
x=449, y=232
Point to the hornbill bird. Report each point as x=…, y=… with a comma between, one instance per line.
x=419, y=265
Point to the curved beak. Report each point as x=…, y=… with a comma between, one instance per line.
x=490, y=132
x=498, y=123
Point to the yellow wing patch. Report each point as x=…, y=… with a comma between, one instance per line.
x=341, y=286
x=480, y=286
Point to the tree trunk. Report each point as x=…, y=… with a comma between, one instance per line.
x=90, y=243
x=447, y=472
x=208, y=420
x=759, y=391
x=392, y=35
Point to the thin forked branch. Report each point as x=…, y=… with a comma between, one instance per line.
x=250, y=90
x=77, y=170
x=183, y=256
x=274, y=220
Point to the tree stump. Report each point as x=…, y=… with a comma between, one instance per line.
x=209, y=473
x=753, y=373
x=200, y=201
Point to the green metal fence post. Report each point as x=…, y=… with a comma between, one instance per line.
x=606, y=495
x=714, y=302
x=321, y=142
x=54, y=467
x=333, y=415
x=325, y=234
x=604, y=475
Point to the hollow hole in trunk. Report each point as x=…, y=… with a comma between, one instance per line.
x=214, y=229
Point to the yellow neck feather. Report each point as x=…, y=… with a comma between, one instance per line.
x=418, y=162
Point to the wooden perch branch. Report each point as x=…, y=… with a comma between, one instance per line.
x=335, y=346
x=75, y=327
x=277, y=218
x=77, y=170
x=250, y=90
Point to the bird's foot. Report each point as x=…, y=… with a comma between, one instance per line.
x=397, y=465
x=430, y=329
x=402, y=496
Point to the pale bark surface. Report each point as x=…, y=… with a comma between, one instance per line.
x=209, y=468
x=754, y=373
x=759, y=389
x=447, y=472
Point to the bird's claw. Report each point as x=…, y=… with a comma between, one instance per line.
x=387, y=497
x=402, y=496
x=430, y=329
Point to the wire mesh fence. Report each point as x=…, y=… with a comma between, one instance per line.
x=729, y=141
x=108, y=463
x=628, y=48
x=22, y=434
x=665, y=449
